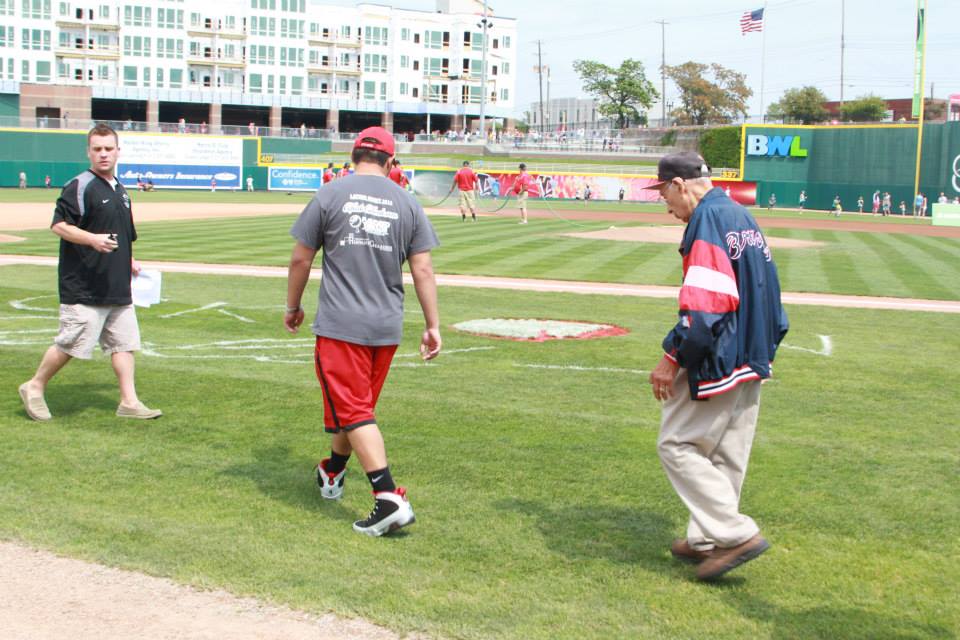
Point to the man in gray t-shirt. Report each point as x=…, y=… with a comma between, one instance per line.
x=367, y=227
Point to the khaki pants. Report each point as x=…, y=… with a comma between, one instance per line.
x=704, y=447
x=468, y=200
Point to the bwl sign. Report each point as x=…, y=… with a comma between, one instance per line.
x=785, y=146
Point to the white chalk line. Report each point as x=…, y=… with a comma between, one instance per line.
x=206, y=307
x=238, y=317
x=825, y=350
x=21, y=305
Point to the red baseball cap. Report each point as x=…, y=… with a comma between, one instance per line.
x=376, y=138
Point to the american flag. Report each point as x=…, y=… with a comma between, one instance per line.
x=751, y=21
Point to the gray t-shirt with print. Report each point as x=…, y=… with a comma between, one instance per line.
x=367, y=227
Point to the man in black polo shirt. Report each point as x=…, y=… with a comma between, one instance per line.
x=95, y=224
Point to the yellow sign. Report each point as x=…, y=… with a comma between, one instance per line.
x=730, y=174
x=266, y=158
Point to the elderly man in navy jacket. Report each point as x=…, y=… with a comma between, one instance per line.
x=730, y=323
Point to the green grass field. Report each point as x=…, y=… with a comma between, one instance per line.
x=542, y=510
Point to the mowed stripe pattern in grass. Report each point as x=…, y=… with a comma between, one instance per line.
x=853, y=263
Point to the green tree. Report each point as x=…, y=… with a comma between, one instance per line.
x=804, y=105
x=622, y=91
x=707, y=101
x=868, y=108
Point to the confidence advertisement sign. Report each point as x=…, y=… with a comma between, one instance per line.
x=180, y=161
x=294, y=179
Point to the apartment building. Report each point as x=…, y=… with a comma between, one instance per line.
x=239, y=60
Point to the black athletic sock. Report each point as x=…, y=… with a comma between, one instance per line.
x=463, y=217
x=381, y=480
x=337, y=462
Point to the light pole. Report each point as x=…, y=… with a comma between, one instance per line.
x=484, y=23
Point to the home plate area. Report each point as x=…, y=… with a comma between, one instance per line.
x=538, y=330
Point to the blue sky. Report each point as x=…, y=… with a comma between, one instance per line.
x=802, y=42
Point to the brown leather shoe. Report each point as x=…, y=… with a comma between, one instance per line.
x=682, y=551
x=723, y=560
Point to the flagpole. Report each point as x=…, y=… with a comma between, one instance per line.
x=763, y=61
x=922, y=36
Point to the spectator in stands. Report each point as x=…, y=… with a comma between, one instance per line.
x=203, y=127
x=303, y=130
x=252, y=128
x=181, y=125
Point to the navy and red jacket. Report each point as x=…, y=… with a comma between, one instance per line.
x=731, y=317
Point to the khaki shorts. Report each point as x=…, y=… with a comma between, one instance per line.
x=83, y=326
x=522, y=200
x=468, y=200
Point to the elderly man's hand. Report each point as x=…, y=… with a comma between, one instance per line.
x=662, y=377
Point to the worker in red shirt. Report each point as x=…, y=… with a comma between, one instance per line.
x=397, y=174
x=521, y=187
x=328, y=173
x=466, y=180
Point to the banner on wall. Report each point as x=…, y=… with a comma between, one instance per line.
x=294, y=178
x=180, y=162
x=572, y=187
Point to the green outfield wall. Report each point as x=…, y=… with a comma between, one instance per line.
x=850, y=161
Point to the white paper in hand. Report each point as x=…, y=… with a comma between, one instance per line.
x=145, y=288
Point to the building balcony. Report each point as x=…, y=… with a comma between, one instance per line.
x=99, y=53
x=343, y=70
x=202, y=31
x=209, y=61
x=100, y=24
x=322, y=41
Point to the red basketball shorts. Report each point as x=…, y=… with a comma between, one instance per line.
x=351, y=377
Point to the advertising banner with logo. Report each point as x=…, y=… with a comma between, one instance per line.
x=294, y=178
x=180, y=162
x=436, y=184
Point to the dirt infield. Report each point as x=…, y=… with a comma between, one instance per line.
x=47, y=597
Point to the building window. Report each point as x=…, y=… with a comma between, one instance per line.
x=176, y=78
x=369, y=90
x=416, y=38
x=404, y=34
x=296, y=86
x=506, y=43
x=39, y=9
x=404, y=62
x=504, y=94
x=375, y=35
x=6, y=36
x=43, y=71
x=256, y=83
x=129, y=76
x=404, y=88
x=505, y=67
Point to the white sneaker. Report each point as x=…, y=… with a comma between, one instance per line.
x=331, y=486
x=391, y=511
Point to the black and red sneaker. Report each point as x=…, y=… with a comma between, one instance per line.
x=391, y=511
x=331, y=484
